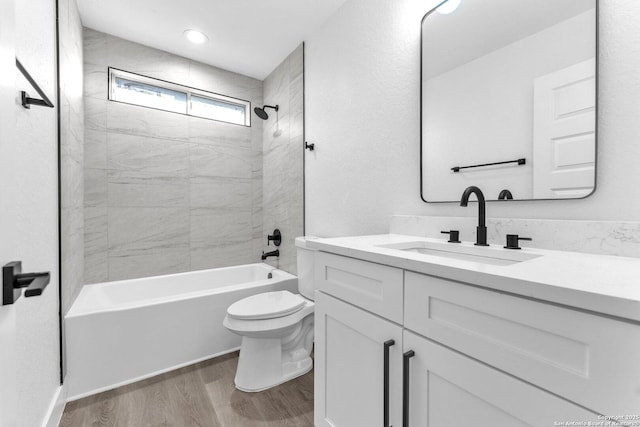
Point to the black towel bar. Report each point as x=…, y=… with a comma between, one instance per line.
x=28, y=101
x=518, y=161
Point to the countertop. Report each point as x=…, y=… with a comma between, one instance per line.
x=604, y=284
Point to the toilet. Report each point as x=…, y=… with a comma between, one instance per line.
x=276, y=329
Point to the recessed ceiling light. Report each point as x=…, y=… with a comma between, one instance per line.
x=195, y=36
x=448, y=7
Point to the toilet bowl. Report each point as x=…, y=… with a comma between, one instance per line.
x=276, y=329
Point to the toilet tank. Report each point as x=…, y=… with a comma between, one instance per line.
x=306, y=260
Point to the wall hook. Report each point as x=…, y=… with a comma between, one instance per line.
x=308, y=146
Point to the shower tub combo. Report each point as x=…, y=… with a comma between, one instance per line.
x=121, y=332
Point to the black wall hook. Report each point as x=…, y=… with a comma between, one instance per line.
x=13, y=280
x=308, y=146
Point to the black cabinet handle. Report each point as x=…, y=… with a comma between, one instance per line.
x=405, y=387
x=387, y=344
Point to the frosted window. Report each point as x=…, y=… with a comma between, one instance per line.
x=147, y=95
x=145, y=91
x=217, y=110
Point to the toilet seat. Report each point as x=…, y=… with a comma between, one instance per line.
x=267, y=328
x=268, y=305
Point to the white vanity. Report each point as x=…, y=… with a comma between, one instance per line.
x=413, y=331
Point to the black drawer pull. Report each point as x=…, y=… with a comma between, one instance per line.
x=387, y=344
x=405, y=387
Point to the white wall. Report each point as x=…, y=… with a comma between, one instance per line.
x=8, y=169
x=363, y=113
x=37, y=222
x=482, y=111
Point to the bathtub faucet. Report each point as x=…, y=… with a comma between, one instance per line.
x=275, y=253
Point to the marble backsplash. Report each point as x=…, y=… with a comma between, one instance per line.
x=621, y=238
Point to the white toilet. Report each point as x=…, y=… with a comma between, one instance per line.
x=276, y=329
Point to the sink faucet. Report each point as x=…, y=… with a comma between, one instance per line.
x=481, y=229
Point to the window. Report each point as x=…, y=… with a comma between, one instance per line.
x=144, y=91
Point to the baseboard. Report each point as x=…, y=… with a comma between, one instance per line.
x=56, y=408
x=149, y=375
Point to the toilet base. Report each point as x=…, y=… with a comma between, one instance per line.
x=268, y=362
x=289, y=372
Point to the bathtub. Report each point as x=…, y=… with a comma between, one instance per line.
x=121, y=332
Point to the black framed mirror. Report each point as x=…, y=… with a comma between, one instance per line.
x=509, y=99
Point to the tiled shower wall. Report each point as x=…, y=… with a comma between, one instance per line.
x=283, y=157
x=71, y=152
x=164, y=192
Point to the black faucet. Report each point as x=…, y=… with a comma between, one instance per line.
x=481, y=229
x=272, y=253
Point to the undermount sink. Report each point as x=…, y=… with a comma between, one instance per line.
x=485, y=255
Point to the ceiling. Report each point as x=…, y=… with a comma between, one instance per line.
x=478, y=27
x=249, y=37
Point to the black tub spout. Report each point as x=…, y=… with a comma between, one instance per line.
x=275, y=253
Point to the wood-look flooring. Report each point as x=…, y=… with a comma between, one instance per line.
x=198, y=395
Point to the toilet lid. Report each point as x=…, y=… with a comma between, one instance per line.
x=267, y=305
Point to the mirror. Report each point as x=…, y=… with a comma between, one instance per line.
x=508, y=93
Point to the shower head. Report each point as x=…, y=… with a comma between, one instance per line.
x=263, y=114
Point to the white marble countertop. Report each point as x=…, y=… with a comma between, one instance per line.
x=599, y=283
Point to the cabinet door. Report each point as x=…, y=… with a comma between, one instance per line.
x=447, y=389
x=350, y=369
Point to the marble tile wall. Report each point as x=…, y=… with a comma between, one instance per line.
x=164, y=192
x=621, y=238
x=283, y=158
x=71, y=150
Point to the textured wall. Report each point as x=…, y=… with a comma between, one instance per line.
x=165, y=192
x=71, y=150
x=35, y=149
x=282, y=158
x=363, y=112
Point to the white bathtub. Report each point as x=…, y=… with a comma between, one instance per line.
x=125, y=331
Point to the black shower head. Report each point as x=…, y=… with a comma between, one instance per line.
x=263, y=114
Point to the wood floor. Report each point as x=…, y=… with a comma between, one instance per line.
x=198, y=395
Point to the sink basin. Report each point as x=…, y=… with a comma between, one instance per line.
x=480, y=254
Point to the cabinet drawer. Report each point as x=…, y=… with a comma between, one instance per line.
x=588, y=359
x=374, y=287
x=447, y=389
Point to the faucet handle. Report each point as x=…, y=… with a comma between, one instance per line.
x=513, y=239
x=454, y=236
x=276, y=237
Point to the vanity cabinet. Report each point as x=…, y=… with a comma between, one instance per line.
x=447, y=389
x=462, y=354
x=350, y=384
x=573, y=354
